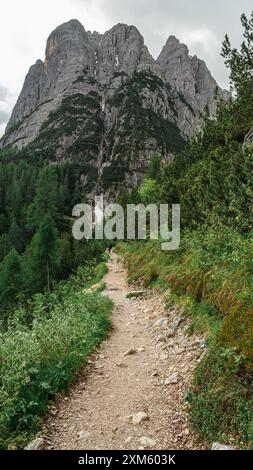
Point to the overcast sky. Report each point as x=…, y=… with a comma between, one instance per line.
x=26, y=24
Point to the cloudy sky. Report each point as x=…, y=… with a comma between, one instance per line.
x=25, y=26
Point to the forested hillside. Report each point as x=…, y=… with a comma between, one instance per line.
x=49, y=323
x=210, y=276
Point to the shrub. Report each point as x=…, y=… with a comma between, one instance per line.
x=37, y=361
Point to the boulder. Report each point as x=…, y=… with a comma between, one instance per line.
x=36, y=444
x=218, y=446
x=138, y=418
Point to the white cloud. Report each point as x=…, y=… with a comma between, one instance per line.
x=3, y=92
x=202, y=38
x=2, y=129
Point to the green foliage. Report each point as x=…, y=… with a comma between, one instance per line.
x=76, y=113
x=5, y=246
x=44, y=254
x=137, y=123
x=210, y=278
x=38, y=361
x=45, y=339
x=154, y=167
x=115, y=173
x=222, y=398
x=10, y=278
x=149, y=191
x=45, y=201
x=240, y=62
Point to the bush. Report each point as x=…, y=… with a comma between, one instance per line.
x=38, y=361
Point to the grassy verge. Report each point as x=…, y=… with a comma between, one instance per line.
x=211, y=277
x=47, y=342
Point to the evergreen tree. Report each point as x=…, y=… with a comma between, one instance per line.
x=15, y=234
x=5, y=246
x=44, y=254
x=3, y=223
x=45, y=201
x=240, y=62
x=154, y=167
x=10, y=278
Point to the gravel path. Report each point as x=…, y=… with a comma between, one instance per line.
x=131, y=396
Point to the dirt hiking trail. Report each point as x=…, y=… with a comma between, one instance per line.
x=131, y=395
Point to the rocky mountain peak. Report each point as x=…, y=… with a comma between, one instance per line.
x=189, y=76
x=172, y=46
x=121, y=49
x=103, y=100
x=65, y=35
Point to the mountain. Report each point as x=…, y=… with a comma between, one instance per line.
x=103, y=102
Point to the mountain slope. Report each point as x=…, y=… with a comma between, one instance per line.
x=104, y=101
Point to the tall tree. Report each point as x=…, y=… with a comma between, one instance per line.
x=240, y=62
x=5, y=246
x=16, y=236
x=45, y=201
x=44, y=254
x=10, y=278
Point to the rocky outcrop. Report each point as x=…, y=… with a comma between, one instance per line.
x=103, y=99
x=190, y=77
x=248, y=139
x=36, y=444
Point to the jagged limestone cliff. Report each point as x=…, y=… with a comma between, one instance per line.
x=104, y=102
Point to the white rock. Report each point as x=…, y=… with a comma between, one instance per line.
x=138, y=418
x=135, y=294
x=147, y=442
x=130, y=352
x=83, y=435
x=161, y=323
x=164, y=356
x=172, y=379
x=175, y=325
x=218, y=446
x=203, y=344
x=36, y=444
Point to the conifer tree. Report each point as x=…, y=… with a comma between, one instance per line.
x=15, y=234
x=45, y=201
x=10, y=278
x=44, y=254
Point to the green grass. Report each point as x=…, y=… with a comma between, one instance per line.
x=210, y=278
x=39, y=360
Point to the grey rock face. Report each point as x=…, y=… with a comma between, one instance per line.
x=190, y=77
x=36, y=444
x=103, y=96
x=122, y=49
x=68, y=53
x=218, y=446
